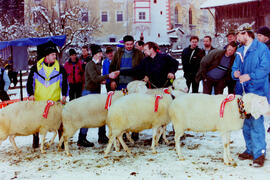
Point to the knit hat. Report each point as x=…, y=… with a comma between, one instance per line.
x=95, y=49
x=128, y=38
x=245, y=28
x=72, y=51
x=49, y=50
x=230, y=31
x=264, y=31
x=109, y=50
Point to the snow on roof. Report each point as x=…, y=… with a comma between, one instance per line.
x=215, y=3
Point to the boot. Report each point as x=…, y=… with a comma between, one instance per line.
x=82, y=141
x=35, y=140
x=259, y=162
x=245, y=156
x=135, y=136
x=102, y=138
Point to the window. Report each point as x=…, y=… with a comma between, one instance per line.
x=190, y=16
x=119, y=16
x=141, y=15
x=85, y=16
x=112, y=39
x=104, y=16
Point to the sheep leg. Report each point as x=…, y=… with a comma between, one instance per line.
x=225, y=147
x=228, y=138
x=12, y=141
x=164, y=135
x=124, y=144
x=111, y=140
x=52, y=140
x=177, y=143
x=116, y=145
x=129, y=138
x=66, y=145
x=60, y=142
x=154, y=140
x=42, y=143
x=159, y=133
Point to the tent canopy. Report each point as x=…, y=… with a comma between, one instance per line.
x=216, y=3
x=58, y=40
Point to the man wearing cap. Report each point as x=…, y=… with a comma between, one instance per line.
x=93, y=81
x=263, y=35
x=125, y=58
x=250, y=70
x=85, y=57
x=47, y=80
x=75, y=73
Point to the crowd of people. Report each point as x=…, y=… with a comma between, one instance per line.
x=243, y=66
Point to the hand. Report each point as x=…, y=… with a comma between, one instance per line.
x=171, y=76
x=244, y=78
x=32, y=98
x=117, y=73
x=236, y=74
x=114, y=75
x=103, y=82
x=64, y=100
x=145, y=79
x=113, y=85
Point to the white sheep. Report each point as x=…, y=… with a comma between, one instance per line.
x=201, y=113
x=134, y=113
x=26, y=117
x=85, y=112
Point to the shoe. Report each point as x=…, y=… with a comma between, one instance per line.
x=259, y=162
x=85, y=143
x=245, y=156
x=268, y=130
x=103, y=140
x=135, y=136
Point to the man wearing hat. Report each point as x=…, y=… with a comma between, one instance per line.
x=250, y=70
x=93, y=81
x=75, y=74
x=125, y=58
x=263, y=35
x=47, y=80
x=106, y=65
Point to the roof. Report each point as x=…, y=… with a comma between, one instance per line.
x=216, y=3
x=58, y=40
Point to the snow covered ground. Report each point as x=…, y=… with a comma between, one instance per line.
x=203, y=153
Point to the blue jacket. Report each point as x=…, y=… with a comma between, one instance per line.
x=105, y=68
x=257, y=65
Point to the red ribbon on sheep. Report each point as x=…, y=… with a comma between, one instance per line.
x=109, y=100
x=47, y=108
x=229, y=98
x=158, y=97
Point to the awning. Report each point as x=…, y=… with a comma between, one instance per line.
x=58, y=40
x=216, y=3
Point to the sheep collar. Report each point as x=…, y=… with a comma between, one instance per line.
x=241, y=108
x=47, y=108
x=229, y=98
x=109, y=100
x=158, y=97
x=167, y=91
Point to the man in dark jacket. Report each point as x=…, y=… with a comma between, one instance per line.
x=263, y=35
x=125, y=58
x=215, y=69
x=191, y=59
x=156, y=68
x=207, y=43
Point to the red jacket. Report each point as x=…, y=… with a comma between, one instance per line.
x=74, y=71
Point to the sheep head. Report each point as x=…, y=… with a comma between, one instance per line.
x=180, y=84
x=137, y=87
x=256, y=105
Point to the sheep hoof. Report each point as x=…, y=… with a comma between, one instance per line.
x=18, y=150
x=181, y=158
x=43, y=152
x=69, y=155
x=154, y=152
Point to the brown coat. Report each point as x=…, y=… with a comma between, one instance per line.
x=211, y=61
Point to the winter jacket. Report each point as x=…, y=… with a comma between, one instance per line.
x=47, y=81
x=4, y=80
x=106, y=68
x=85, y=61
x=256, y=63
x=204, y=52
x=156, y=69
x=211, y=61
x=190, y=64
x=268, y=44
x=93, y=77
x=74, y=72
